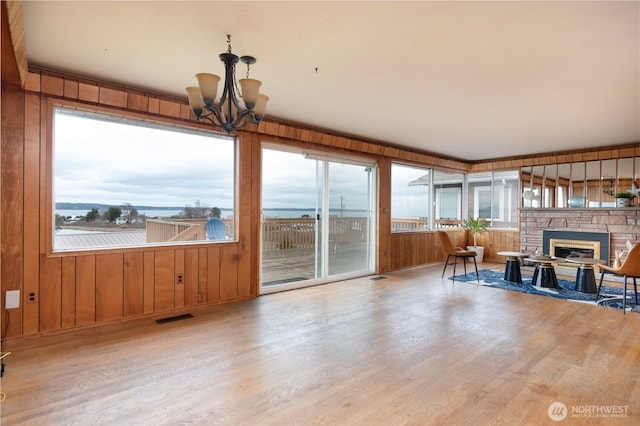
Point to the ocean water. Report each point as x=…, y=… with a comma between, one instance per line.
x=268, y=213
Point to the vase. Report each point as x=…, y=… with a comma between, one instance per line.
x=623, y=202
x=479, y=252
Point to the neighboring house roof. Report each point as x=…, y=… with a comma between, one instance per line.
x=100, y=239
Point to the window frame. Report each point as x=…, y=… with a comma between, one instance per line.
x=47, y=196
x=427, y=171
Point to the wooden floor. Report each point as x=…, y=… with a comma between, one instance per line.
x=410, y=349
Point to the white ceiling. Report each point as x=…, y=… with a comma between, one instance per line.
x=468, y=80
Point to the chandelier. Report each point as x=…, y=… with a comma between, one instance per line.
x=236, y=107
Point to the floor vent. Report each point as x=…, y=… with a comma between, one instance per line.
x=172, y=319
x=378, y=278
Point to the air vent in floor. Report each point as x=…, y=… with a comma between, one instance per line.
x=176, y=318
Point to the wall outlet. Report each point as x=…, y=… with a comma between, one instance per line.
x=12, y=299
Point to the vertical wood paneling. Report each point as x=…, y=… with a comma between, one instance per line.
x=149, y=282
x=384, y=216
x=45, y=171
x=213, y=274
x=164, y=280
x=191, y=277
x=203, y=274
x=68, y=292
x=109, y=287
x=133, y=284
x=85, y=290
x=31, y=212
x=422, y=248
x=12, y=200
x=50, y=294
x=229, y=273
x=179, y=286
x=249, y=217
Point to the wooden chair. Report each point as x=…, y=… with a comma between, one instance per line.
x=456, y=252
x=629, y=268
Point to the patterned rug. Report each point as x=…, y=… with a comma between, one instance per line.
x=609, y=296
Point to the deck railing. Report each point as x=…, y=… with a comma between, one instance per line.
x=418, y=224
x=286, y=234
x=171, y=230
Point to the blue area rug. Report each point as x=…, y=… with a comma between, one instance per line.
x=609, y=296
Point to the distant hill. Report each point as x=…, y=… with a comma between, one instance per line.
x=89, y=206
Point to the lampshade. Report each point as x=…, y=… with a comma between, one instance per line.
x=208, y=87
x=261, y=106
x=195, y=100
x=225, y=110
x=250, y=88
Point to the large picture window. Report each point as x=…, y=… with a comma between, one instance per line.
x=123, y=182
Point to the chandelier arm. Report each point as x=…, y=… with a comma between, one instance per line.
x=243, y=119
x=217, y=118
x=212, y=116
x=248, y=117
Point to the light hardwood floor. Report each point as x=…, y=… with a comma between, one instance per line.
x=410, y=349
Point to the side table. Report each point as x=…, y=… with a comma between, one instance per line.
x=545, y=275
x=585, y=277
x=512, y=269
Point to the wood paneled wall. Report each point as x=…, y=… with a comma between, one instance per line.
x=593, y=154
x=67, y=290
x=419, y=248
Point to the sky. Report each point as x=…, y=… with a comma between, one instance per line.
x=98, y=161
x=107, y=162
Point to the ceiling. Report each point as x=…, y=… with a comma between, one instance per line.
x=465, y=80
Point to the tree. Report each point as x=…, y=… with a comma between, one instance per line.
x=93, y=215
x=59, y=221
x=128, y=211
x=215, y=212
x=112, y=214
x=195, y=212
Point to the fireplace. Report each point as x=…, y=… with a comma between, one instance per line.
x=565, y=244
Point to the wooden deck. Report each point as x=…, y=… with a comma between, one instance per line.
x=411, y=349
x=298, y=264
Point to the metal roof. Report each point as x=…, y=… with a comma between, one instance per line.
x=99, y=239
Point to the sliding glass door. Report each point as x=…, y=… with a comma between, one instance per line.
x=317, y=219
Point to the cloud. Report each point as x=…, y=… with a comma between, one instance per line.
x=113, y=163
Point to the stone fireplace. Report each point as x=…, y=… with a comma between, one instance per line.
x=619, y=224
